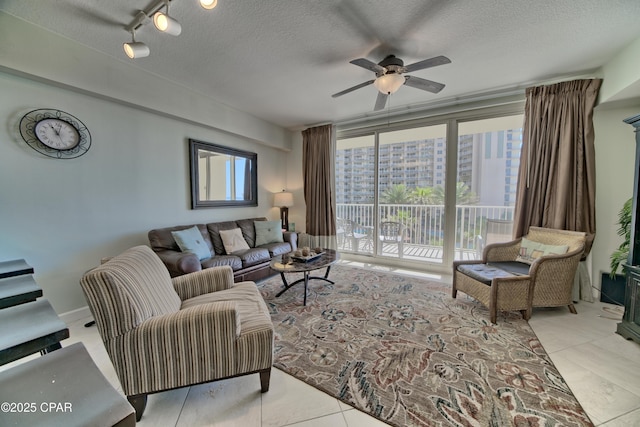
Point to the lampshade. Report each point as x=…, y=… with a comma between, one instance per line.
x=283, y=200
x=136, y=49
x=208, y=4
x=389, y=83
x=167, y=24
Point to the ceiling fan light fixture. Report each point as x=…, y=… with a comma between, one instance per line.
x=389, y=83
x=208, y=4
x=135, y=49
x=165, y=23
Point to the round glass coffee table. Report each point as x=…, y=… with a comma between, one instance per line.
x=327, y=258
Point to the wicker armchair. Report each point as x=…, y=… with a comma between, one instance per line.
x=499, y=282
x=162, y=333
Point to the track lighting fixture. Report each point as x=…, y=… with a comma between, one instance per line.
x=161, y=20
x=135, y=49
x=208, y=4
x=165, y=23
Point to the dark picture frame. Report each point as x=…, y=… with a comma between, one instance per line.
x=222, y=176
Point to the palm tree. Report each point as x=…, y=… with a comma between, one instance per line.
x=397, y=194
x=422, y=195
x=464, y=195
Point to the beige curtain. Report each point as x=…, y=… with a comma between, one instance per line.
x=556, y=180
x=318, y=150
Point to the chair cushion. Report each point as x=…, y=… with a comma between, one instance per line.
x=482, y=272
x=268, y=232
x=233, y=241
x=530, y=250
x=249, y=229
x=513, y=267
x=191, y=240
x=276, y=249
x=254, y=256
x=161, y=238
x=214, y=231
x=252, y=310
x=219, y=260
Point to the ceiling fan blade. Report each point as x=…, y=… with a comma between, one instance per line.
x=365, y=63
x=381, y=101
x=351, y=89
x=424, y=84
x=427, y=63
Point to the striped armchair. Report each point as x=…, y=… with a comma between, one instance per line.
x=164, y=333
x=500, y=282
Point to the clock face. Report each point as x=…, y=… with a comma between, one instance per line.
x=57, y=134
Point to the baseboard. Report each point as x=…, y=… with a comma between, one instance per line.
x=77, y=314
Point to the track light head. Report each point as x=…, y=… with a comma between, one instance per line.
x=208, y=4
x=135, y=49
x=165, y=23
x=161, y=20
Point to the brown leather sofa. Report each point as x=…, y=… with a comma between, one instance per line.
x=250, y=264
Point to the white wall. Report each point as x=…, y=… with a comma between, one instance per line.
x=29, y=50
x=615, y=162
x=62, y=216
x=295, y=183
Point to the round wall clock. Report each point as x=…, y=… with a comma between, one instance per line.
x=55, y=133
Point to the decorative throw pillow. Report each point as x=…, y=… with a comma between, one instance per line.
x=233, y=240
x=531, y=251
x=268, y=232
x=191, y=240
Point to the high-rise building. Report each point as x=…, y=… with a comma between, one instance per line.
x=487, y=163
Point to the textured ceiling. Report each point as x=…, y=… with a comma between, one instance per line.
x=281, y=60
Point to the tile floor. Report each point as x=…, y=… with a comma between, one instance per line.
x=601, y=367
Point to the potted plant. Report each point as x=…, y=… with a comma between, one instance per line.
x=620, y=255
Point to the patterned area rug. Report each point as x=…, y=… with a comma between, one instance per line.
x=402, y=350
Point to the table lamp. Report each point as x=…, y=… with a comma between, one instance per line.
x=283, y=200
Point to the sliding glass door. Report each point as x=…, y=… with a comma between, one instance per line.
x=488, y=162
x=430, y=192
x=411, y=178
x=355, y=194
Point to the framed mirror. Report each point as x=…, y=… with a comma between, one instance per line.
x=222, y=176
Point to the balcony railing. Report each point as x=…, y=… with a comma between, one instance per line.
x=424, y=225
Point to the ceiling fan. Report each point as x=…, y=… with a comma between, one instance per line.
x=389, y=77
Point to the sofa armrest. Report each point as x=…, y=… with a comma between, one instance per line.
x=497, y=252
x=179, y=263
x=292, y=238
x=169, y=351
x=220, y=315
x=203, y=282
x=555, y=265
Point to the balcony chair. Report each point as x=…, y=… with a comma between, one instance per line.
x=350, y=233
x=504, y=280
x=163, y=333
x=392, y=232
x=494, y=231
